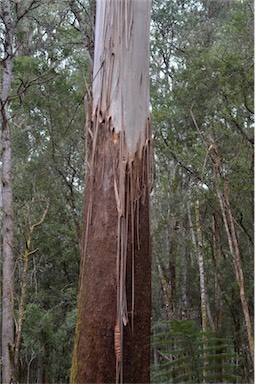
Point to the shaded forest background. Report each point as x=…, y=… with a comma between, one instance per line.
x=202, y=199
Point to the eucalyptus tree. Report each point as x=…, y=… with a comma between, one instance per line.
x=7, y=199
x=114, y=296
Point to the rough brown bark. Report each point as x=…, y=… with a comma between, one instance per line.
x=136, y=342
x=97, y=296
x=94, y=359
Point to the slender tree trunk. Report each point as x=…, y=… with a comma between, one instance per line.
x=184, y=286
x=201, y=268
x=239, y=273
x=171, y=246
x=234, y=250
x=200, y=260
x=217, y=255
x=164, y=281
x=229, y=225
x=112, y=340
x=192, y=231
x=8, y=256
x=218, y=293
x=202, y=281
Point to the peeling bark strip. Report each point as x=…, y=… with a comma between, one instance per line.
x=113, y=328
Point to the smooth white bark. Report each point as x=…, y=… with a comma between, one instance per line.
x=122, y=30
x=7, y=203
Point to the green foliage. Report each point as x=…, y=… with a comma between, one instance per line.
x=50, y=77
x=48, y=337
x=189, y=355
x=202, y=93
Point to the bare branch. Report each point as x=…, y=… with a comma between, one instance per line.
x=32, y=252
x=33, y=5
x=87, y=39
x=41, y=220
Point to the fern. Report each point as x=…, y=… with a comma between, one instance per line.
x=186, y=354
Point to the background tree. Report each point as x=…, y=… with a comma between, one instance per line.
x=48, y=165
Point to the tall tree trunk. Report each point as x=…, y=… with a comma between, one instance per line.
x=197, y=245
x=7, y=201
x=112, y=340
